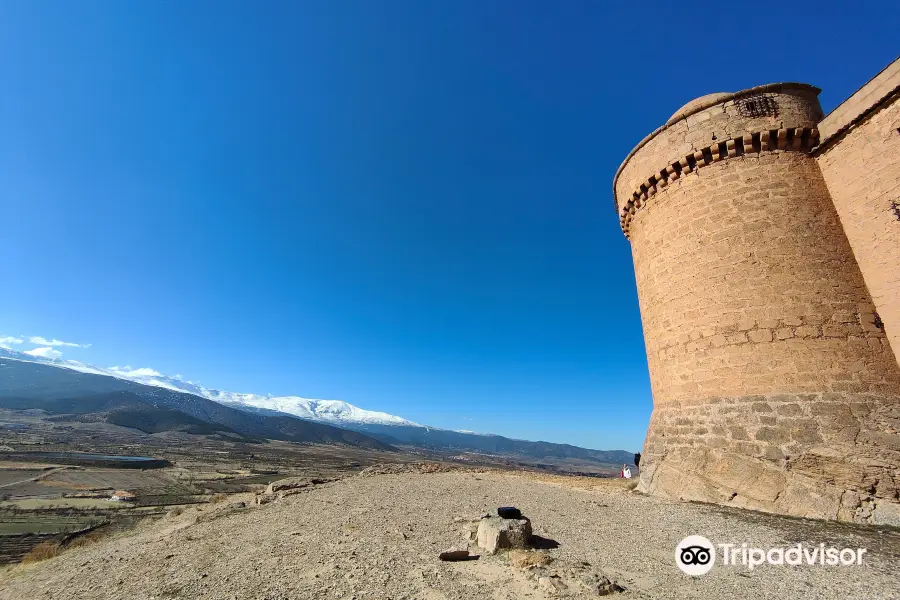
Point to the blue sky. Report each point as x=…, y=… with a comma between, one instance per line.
x=401, y=204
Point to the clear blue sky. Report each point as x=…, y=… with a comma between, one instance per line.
x=402, y=204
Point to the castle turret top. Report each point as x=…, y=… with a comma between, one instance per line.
x=715, y=126
x=698, y=104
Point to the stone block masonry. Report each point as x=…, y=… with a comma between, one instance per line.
x=861, y=167
x=769, y=333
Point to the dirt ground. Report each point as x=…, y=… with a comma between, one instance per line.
x=378, y=537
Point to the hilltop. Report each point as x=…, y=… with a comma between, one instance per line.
x=377, y=536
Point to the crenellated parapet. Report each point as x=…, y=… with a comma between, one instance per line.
x=786, y=139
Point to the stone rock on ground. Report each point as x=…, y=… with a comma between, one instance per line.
x=601, y=585
x=264, y=499
x=552, y=585
x=291, y=483
x=287, y=487
x=495, y=533
x=455, y=554
x=294, y=483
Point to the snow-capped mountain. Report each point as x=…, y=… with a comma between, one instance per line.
x=376, y=427
x=333, y=412
x=327, y=411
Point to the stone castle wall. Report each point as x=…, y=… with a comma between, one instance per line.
x=860, y=161
x=774, y=383
x=704, y=131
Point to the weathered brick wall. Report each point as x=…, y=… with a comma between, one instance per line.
x=774, y=388
x=860, y=161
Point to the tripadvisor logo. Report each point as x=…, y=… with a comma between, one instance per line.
x=696, y=555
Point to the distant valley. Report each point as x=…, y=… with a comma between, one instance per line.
x=150, y=402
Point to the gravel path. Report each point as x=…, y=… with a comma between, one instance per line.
x=368, y=537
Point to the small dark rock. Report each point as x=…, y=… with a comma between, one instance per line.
x=609, y=588
x=602, y=585
x=509, y=512
x=454, y=555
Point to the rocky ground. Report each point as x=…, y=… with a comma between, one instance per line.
x=378, y=535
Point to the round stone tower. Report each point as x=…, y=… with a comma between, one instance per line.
x=773, y=387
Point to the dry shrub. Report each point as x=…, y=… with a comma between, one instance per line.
x=176, y=511
x=91, y=537
x=219, y=498
x=42, y=551
x=526, y=559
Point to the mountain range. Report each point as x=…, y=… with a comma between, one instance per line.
x=56, y=390
x=71, y=386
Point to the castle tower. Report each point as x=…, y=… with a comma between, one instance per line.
x=773, y=388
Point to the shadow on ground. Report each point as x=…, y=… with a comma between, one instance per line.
x=542, y=543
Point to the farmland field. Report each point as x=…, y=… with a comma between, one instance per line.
x=27, y=489
x=102, y=479
x=8, y=476
x=42, y=503
x=42, y=525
